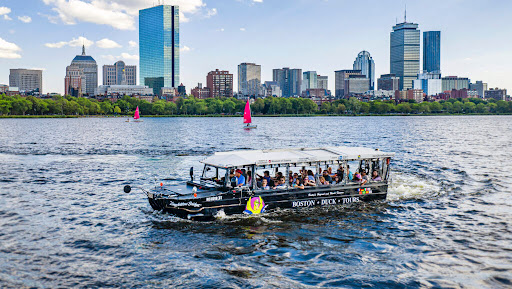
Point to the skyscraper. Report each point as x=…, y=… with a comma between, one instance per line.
x=310, y=80
x=323, y=82
x=289, y=80
x=119, y=74
x=75, y=82
x=249, y=79
x=220, y=83
x=90, y=72
x=432, y=51
x=365, y=63
x=405, y=53
x=26, y=79
x=339, y=80
x=159, y=47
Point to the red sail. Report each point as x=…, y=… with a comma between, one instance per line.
x=247, y=113
x=136, y=116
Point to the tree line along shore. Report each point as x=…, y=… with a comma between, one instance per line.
x=59, y=106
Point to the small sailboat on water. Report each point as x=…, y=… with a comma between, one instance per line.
x=136, y=116
x=247, y=116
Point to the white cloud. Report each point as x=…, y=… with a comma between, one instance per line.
x=124, y=55
x=9, y=50
x=185, y=49
x=73, y=43
x=128, y=56
x=221, y=30
x=118, y=13
x=257, y=1
x=5, y=10
x=107, y=43
x=6, y=17
x=132, y=44
x=111, y=58
x=25, y=19
x=242, y=29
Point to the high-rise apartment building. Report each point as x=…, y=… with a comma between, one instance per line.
x=26, y=79
x=309, y=80
x=220, y=83
x=323, y=82
x=405, y=53
x=119, y=74
x=388, y=82
x=432, y=51
x=339, y=78
x=429, y=82
x=159, y=47
x=365, y=63
x=90, y=72
x=249, y=79
x=496, y=93
x=480, y=88
x=289, y=80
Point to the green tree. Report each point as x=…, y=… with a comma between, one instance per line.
x=469, y=107
x=117, y=110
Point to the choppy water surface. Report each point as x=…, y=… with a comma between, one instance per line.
x=65, y=222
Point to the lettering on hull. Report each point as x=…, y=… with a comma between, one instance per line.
x=324, y=202
x=183, y=204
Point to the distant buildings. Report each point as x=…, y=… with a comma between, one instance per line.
x=122, y=90
x=497, y=94
x=432, y=51
x=182, y=90
x=405, y=53
x=309, y=80
x=339, y=77
x=26, y=79
x=415, y=94
x=365, y=63
x=249, y=79
x=389, y=82
x=454, y=82
x=220, y=83
x=289, y=80
x=74, y=82
x=429, y=82
x=119, y=74
x=480, y=87
x=89, y=70
x=356, y=85
x=159, y=47
x=200, y=92
x=323, y=82
x=271, y=88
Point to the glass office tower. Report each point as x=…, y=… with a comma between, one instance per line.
x=159, y=47
x=405, y=53
x=432, y=51
x=365, y=63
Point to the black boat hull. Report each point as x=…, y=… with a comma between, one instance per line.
x=235, y=202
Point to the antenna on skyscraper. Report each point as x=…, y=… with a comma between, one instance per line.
x=405, y=13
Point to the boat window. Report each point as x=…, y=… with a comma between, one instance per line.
x=214, y=174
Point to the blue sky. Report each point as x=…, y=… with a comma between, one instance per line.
x=321, y=35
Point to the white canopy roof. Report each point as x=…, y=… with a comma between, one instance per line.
x=292, y=155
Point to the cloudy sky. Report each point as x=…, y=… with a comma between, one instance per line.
x=321, y=35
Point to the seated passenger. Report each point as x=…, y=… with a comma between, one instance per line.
x=319, y=173
x=335, y=180
x=327, y=177
x=264, y=185
x=340, y=172
x=329, y=171
x=364, y=178
x=249, y=178
x=376, y=177
x=240, y=179
x=281, y=184
x=266, y=175
x=357, y=177
x=298, y=184
x=322, y=181
x=311, y=176
x=309, y=183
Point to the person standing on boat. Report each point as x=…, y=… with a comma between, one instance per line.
x=240, y=179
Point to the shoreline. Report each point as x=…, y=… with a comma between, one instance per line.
x=256, y=116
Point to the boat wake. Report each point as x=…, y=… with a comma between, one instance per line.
x=406, y=187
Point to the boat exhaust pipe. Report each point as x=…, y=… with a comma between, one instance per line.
x=191, y=174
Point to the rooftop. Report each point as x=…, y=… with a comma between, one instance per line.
x=292, y=155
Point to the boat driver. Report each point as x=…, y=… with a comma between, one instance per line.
x=240, y=178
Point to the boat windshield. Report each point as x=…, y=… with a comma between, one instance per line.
x=213, y=175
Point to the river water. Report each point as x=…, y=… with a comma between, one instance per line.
x=65, y=221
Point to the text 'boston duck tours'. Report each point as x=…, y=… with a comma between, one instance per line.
x=258, y=181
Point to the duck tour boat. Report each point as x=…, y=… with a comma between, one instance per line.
x=258, y=181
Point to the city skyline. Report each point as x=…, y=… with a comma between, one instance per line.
x=223, y=34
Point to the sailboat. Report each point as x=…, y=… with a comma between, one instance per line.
x=136, y=116
x=247, y=116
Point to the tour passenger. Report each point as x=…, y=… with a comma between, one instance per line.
x=249, y=178
x=322, y=181
x=264, y=185
x=376, y=177
x=329, y=171
x=327, y=176
x=340, y=172
x=335, y=180
x=357, y=177
x=298, y=184
x=240, y=179
x=281, y=184
x=364, y=178
x=311, y=177
x=319, y=173
x=350, y=176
